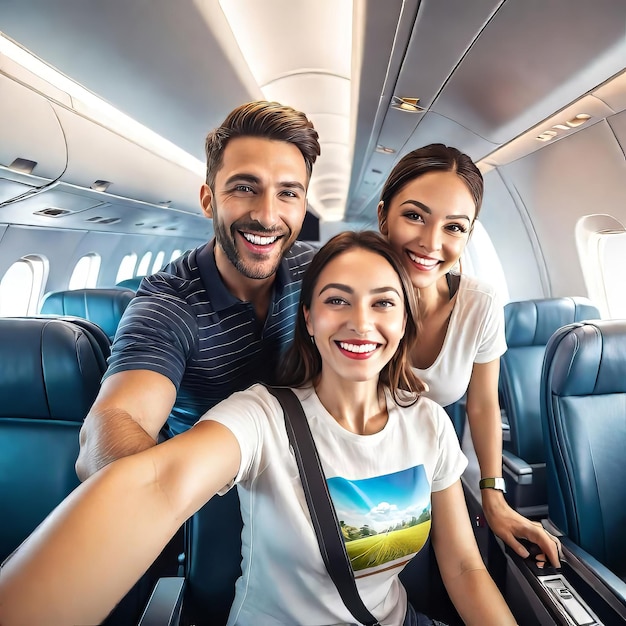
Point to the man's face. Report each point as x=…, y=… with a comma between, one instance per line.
x=258, y=205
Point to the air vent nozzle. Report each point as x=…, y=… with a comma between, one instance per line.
x=53, y=212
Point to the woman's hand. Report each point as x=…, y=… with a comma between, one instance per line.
x=509, y=525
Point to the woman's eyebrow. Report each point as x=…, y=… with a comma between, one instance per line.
x=348, y=289
x=419, y=205
x=339, y=286
x=427, y=209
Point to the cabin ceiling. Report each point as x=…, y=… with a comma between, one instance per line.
x=484, y=71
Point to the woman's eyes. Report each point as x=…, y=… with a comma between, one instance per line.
x=337, y=301
x=457, y=228
x=385, y=304
x=454, y=227
x=414, y=217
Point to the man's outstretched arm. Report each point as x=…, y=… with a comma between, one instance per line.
x=126, y=418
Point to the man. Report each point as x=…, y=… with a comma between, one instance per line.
x=216, y=320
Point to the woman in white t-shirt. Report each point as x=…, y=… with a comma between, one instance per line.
x=349, y=368
x=427, y=210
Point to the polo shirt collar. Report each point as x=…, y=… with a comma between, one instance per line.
x=219, y=295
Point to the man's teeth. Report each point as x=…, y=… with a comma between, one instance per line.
x=358, y=348
x=257, y=240
x=421, y=261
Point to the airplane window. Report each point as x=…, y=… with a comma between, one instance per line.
x=22, y=286
x=175, y=255
x=127, y=267
x=158, y=261
x=598, y=240
x=612, y=250
x=481, y=260
x=142, y=270
x=85, y=274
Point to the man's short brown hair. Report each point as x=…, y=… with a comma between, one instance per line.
x=269, y=120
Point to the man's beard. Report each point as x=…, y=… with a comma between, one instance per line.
x=226, y=241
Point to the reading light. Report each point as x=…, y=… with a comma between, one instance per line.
x=578, y=120
x=100, y=185
x=408, y=105
x=384, y=149
x=547, y=135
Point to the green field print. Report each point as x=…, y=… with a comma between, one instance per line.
x=384, y=520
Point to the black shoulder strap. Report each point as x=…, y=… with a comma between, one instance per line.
x=453, y=281
x=323, y=515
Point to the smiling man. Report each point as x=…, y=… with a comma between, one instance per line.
x=217, y=319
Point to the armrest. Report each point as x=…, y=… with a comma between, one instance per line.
x=608, y=585
x=518, y=468
x=165, y=603
x=599, y=592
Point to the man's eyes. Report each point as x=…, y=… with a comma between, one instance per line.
x=290, y=193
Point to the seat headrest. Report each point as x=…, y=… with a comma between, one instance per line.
x=49, y=369
x=101, y=306
x=130, y=283
x=590, y=358
x=532, y=322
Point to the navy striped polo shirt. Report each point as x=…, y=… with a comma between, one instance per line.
x=185, y=324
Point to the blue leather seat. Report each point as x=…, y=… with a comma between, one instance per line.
x=583, y=402
x=50, y=372
x=529, y=325
x=130, y=283
x=104, y=307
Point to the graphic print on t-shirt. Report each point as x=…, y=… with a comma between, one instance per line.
x=385, y=520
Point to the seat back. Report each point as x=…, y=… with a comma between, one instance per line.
x=213, y=560
x=100, y=340
x=104, y=307
x=583, y=401
x=50, y=372
x=130, y=283
x=529, y=325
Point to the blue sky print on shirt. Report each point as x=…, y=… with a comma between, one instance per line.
x=385, y=520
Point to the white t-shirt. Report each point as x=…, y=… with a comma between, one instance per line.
x=475, y=335
x=380, y=485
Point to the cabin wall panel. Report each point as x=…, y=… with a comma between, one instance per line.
x=581, y=174
x=57, y=246
x=113, y=248
x=63, y=248
x=508, y=231
x=617, y=123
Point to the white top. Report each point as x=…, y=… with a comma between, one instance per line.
x=475, y=335
x=380, y=485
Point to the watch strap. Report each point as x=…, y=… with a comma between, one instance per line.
x=493, y=483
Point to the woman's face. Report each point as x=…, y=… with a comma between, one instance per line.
x=357, y=315
x=428, y=222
